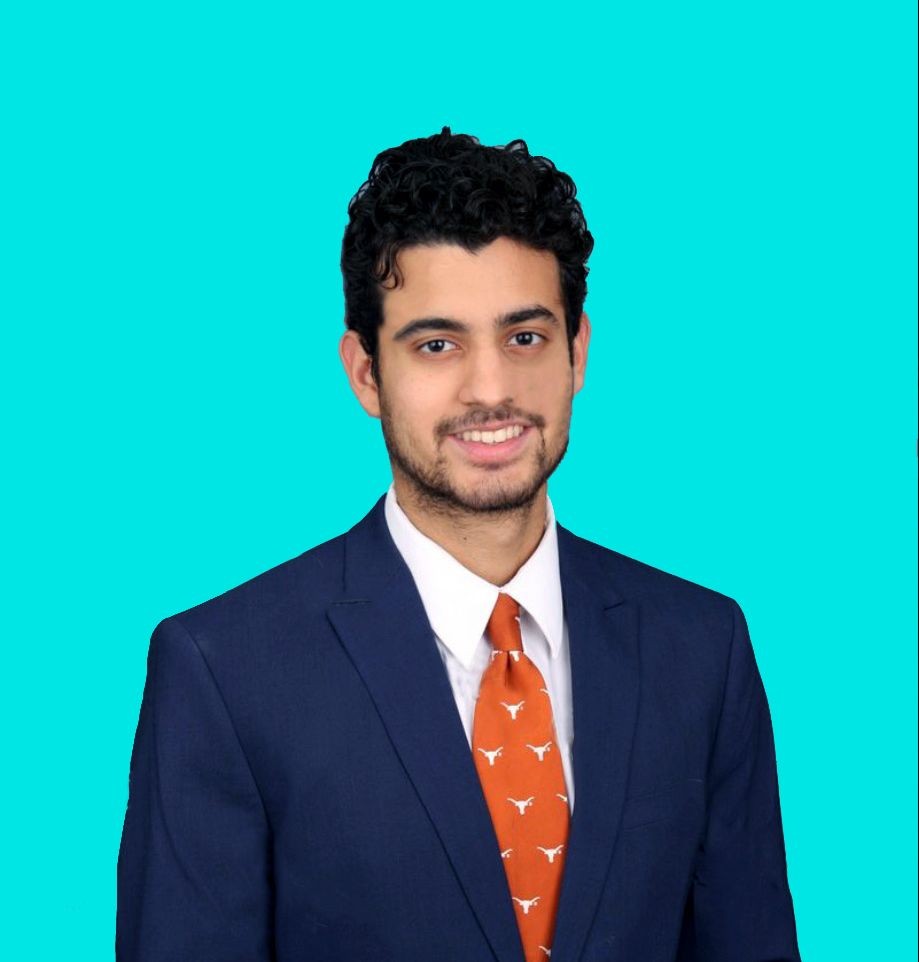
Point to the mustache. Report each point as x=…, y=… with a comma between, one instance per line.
x=477, y=418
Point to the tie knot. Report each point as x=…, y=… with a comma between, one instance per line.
x=504, y=625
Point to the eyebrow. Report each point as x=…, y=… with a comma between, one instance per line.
x=536, y=311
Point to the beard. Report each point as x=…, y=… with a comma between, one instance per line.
x=431, y=480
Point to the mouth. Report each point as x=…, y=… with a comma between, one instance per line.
x=494, y=444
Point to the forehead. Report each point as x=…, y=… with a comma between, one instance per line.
x=447, y=280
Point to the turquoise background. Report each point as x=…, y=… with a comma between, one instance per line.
x=176, y=419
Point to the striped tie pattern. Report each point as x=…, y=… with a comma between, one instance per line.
x=520, y=767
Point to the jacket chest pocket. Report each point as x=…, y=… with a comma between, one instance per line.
x=683, y=801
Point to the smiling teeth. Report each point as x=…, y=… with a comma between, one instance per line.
x=493, y=437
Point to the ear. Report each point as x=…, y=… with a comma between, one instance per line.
x=579, y=352
x=357, y=366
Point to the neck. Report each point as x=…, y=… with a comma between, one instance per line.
x=492, y=544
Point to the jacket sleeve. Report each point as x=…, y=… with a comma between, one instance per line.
x=739, y=907
x=194, y=872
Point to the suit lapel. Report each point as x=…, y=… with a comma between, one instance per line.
x=603, y=641
x=382, y=624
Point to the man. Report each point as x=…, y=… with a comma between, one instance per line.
x=458, y=732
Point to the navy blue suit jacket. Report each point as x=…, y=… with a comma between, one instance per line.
x=301, y=787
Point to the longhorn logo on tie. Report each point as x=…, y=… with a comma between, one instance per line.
x=550, y=853
x=510, y=713
x=513, y=709
x=491, y=755
x=522, y=806
x=526, y=904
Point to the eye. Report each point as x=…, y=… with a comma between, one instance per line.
x=438, y=346
x=526, y=338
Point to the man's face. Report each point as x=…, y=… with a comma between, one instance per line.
x=476, y=381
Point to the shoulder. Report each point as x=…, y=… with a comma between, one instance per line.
x=658, y=593
x=291, y=592
x=688, y=630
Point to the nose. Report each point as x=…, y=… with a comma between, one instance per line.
x=487, y=379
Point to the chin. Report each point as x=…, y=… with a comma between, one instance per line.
x=485, y=495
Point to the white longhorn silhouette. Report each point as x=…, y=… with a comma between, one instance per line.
x=526, y=904
x=550, y=853
x=523, y=804
x=513, y=709
x=564, y=798
x=546, y=690
x=506, y=853
x=491, y=755
x=539, y=749
x=547, y=951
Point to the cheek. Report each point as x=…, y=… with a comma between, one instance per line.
x=549, y=379
x=415, y=412
x=551, y=399
x=428, y=399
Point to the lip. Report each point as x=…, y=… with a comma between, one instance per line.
x=493, y=453
x=492, y=426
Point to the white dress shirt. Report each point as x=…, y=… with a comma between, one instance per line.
x=459, y=603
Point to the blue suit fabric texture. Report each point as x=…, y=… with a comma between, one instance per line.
x=301, y=788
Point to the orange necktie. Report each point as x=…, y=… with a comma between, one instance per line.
x=520, y=767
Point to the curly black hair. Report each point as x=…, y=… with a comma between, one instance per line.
x=450, y=188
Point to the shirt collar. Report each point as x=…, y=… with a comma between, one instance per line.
x=459, y=603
